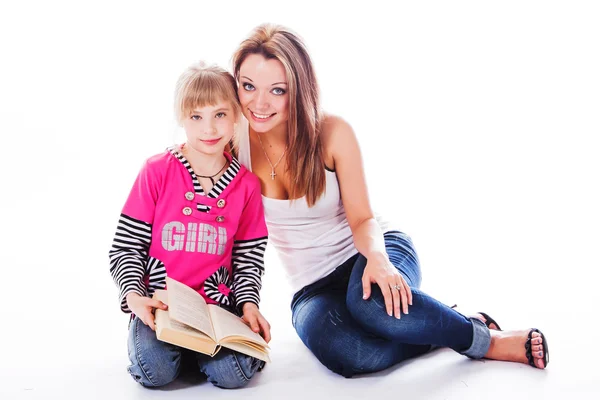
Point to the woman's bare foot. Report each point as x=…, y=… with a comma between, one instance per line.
x=510, y=346
x=478, y=316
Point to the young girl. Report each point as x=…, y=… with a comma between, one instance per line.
x=195, y=214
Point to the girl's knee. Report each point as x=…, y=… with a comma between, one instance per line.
x=153, y=374
x=233, y=371
x=153, y=363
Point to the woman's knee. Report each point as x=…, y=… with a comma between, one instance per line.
x=355, y=360
x=403, y=256
x=340, y=364
x=368, y=311
x=343, y=347
x=372, y=316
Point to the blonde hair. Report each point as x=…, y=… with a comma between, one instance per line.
x=305, y=161
x=203, y=85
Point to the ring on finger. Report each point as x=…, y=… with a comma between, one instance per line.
x=397, y=287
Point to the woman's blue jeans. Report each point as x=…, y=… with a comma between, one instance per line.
x=155, y=363
x=352, y=336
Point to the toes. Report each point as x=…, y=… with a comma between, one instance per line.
x=536, y=338
x=538, y=354
x=537, y=350
x=540, y=363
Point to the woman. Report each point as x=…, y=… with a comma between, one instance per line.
x=357, y=306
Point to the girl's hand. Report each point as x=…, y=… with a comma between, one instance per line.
x=254, y=319
x=394, y=288
x=143, y=307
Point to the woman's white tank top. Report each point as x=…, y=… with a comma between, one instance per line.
x=310, y=241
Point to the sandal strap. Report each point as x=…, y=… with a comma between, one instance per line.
x=489, y=320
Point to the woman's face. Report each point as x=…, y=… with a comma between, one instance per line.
x=263, y=92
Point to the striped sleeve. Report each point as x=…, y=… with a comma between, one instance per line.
x=250, y=243
x=128, y=256
x=248, y=269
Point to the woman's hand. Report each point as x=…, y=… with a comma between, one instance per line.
x=254, y=319
x=143, y=307
x=394, y=288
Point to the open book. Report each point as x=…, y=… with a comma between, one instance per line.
x=192, y=323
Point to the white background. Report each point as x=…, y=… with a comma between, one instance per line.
x=478, y=123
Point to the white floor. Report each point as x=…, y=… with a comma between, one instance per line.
x=71, y=342
x=481, y=144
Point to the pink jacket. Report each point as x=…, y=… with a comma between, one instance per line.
x=212, y=242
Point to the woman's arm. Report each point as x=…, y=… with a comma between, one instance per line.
x=340, y=142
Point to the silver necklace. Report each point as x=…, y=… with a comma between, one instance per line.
x=273, y=174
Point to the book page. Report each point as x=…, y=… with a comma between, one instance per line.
x=248, y=349
x=228, y=325
x=163, y=321
x=188, y=307
x=171, y=331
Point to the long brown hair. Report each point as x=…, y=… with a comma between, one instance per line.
x=305, y=161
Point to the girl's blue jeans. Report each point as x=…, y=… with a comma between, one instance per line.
x=352, y=336
x=155, y=363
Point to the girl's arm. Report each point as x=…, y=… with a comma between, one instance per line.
x=248, y=268
x=129, y=251
x=249, y=247
x=128, y=256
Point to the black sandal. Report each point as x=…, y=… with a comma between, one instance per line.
x=488, y=320
x=529, y=353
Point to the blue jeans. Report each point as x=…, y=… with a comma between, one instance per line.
x=352, y=336
x=155, y=363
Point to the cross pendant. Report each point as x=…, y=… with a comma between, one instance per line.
x=273, y=174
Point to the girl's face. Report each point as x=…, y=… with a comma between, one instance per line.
x=263, y=93
x=208, y=129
